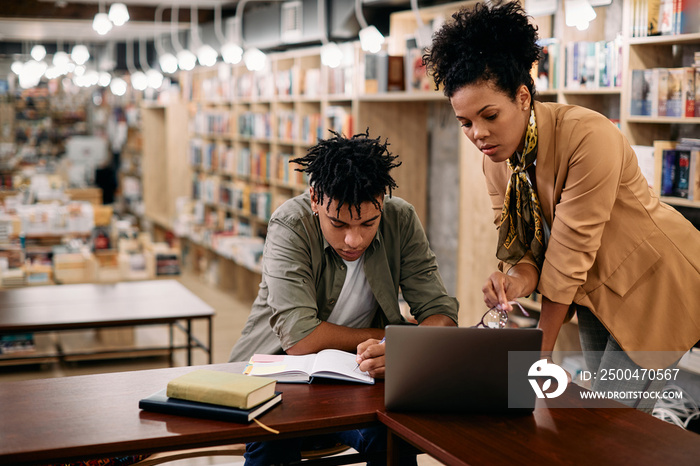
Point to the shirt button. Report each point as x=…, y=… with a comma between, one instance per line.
x=430, y=273
x=331, y=301
x=342, y=267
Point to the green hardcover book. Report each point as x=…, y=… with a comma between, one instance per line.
x=222, y=388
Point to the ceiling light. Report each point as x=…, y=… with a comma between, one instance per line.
x=17, y=66
x=60, y=58
x=118, y=86
x=53, y=72
x=38, y=52
x=168, y=63
x=186, y=60
x=371, y=39
x=80, y=54
x=118, y=14
x=155, y=79
x=206, y=55
x=331, y=55
x=139, y=80
x=166, y=60
x=31, y=73
x=92, y=77
x=101, y=24
x=579, y=13
x=232, y=53
x=254, y=59
x=104, y=79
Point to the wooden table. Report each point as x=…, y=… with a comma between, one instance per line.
x=560, y=431
x=88, y=306
x=72, y=418
x=77, y=418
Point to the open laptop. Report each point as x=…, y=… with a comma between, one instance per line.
x=459, y=369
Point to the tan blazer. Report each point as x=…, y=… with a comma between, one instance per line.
x=614, y=248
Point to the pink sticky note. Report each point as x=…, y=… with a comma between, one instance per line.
x=267, y=358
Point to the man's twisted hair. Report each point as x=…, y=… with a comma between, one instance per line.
x=349, y=170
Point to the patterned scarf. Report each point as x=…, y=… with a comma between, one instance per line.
x=521, y=220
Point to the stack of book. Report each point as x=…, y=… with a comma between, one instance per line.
x=217, y=395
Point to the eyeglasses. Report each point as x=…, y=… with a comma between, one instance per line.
x=497, y=317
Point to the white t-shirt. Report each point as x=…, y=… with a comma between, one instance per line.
x=356, y=303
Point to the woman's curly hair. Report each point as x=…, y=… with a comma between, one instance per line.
x=349, y=170
x=489, y=43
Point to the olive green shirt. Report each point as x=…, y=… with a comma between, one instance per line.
x=302, y=277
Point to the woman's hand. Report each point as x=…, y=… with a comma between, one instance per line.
x=521, y=280
x=498, y=290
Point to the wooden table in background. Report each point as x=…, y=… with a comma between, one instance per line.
x=90, y=306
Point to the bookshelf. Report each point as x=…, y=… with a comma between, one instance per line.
x=164, y=163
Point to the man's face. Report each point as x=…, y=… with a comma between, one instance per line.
x=348, y=234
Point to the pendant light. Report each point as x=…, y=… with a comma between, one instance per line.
x=371, y=39
x=186, y=60
x=166, y=60
x=231, y=52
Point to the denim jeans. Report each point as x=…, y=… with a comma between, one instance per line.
x=601, y=351
x=280, y=452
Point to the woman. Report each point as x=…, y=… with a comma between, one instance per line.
x=576, y=219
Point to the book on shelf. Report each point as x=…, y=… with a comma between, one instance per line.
x=645, y=159
x=675, y=102
x=640, y=102
x=686, y=16
x=665, y=22
x=697, y=84
x=659, y=147
x=417, y=78
x=221, y=388
x=329, y=364
x=159, y=402
x=17, y=343
x=593, y=65
x=688, y=85
x=679, y=168
x=545, y=69
x=669, y=172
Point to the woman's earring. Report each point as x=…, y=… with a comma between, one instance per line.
x=315, y=214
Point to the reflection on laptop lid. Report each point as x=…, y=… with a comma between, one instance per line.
x=458, y=369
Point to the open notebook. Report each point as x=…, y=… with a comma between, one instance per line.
x=330, y=364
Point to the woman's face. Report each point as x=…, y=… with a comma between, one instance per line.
x=493, y=121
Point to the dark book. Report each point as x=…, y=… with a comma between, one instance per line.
x=668, y=172
x=681, y=185
x=159, y=402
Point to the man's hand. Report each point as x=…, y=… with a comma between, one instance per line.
x=370, y=357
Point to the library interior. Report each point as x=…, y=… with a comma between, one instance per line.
x=146, y=144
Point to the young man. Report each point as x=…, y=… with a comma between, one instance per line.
x=335, y=259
